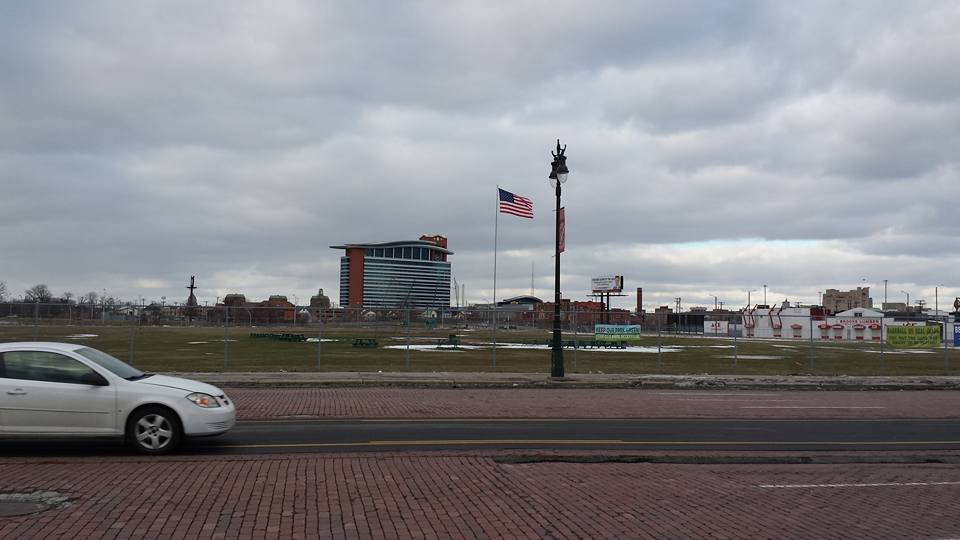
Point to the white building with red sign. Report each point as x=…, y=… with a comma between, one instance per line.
x=858, y=324
x=796, y=323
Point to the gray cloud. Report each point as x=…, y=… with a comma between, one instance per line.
x=144, y=142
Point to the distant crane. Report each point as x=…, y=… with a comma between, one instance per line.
x=456, y=292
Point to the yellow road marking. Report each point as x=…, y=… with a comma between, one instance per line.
x=345, y=419
x=453, y=442
x=421, y=443
x=434, y=419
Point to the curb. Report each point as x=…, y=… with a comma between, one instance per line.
x=516, y=380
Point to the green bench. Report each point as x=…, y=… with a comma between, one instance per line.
x=279, y=337
x=365, y=342
x=452, y=340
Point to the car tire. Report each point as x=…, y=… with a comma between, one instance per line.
x=154, y=430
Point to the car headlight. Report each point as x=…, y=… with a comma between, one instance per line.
x=203, y=400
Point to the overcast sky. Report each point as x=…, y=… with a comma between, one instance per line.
x=714, y=147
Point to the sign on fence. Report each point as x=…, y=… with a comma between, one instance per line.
x=956, y=335
x=913, y=337
x=616, y=332
x=719, y=328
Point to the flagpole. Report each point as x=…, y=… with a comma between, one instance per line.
x=496, y=227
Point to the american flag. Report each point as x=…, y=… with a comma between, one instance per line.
x=515, y=204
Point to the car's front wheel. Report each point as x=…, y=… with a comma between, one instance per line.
x=154, y=430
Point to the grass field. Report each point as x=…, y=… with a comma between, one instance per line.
x=205, y=349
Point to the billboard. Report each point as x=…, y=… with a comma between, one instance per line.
x=913, y=337
x=607, y=284
x=956, y=335
x=616, y=332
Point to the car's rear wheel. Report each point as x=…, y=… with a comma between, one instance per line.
x=154, y=430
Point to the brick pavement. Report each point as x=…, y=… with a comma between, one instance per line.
x=587, y=403
x=395, y=496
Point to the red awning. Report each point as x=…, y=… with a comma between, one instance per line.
x=796, y=326
x=874, y=326
x=838, y=327
x=858, y=327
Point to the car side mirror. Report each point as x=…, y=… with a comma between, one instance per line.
x=93, y=379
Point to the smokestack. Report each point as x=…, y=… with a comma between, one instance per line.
x=639, y=300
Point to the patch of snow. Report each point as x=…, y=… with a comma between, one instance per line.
x=433, y=348
x=753, y=357
x=903, y=351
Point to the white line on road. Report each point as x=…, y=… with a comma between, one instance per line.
x=806, y=407
x=711, y=394
x=883, y=484
x=747, y=400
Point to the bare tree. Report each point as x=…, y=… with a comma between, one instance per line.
x=3, y=291
x=37, y=293
x=67, y=296
x=89, y=298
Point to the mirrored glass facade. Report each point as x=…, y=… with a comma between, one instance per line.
x=412, y=274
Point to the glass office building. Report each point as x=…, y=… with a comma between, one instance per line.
x=413, y=273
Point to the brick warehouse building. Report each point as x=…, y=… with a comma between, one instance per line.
x=406, y=273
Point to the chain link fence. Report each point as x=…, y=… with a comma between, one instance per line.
x=512, y=339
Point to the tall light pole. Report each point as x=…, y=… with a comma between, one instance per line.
x=908, y=299
x=558, y=175
x=764, y=294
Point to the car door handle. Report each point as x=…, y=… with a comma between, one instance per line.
x=17, y=392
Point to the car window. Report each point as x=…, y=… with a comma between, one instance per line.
x=43, y=366
x=104, y=360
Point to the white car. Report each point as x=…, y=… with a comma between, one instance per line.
x=65, y=389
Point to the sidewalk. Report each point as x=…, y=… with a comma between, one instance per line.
x=577, y=380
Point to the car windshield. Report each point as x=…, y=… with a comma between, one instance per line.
x=115, y=366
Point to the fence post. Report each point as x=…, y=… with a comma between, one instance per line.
x=319, y=338
x=812, y=355
x=36, y=320
x=659, y=353
x=735, y=340
x=882, y=344
x=226, y=344
x=493, y=325
x=408, y=339
x=575, y=330
x=132, y=330
x=946, y=359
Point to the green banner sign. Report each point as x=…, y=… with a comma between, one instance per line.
x=616, y=332
x=913, y=337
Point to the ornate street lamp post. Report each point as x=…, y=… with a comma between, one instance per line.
x=558, y=175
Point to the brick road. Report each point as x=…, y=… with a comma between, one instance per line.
x=475, y=495
x=450, y=496
x=587, y=403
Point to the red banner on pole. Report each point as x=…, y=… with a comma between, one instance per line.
x=563, y=230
